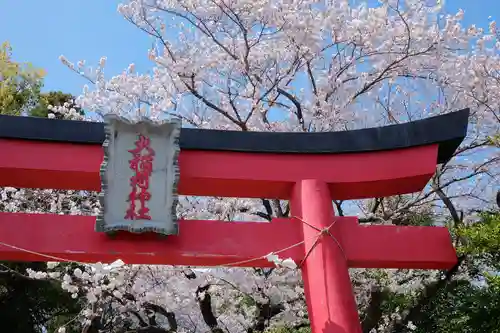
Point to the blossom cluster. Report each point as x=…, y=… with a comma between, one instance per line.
x=65, y=111
x=138, y=292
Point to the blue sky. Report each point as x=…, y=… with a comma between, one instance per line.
x=40, y=31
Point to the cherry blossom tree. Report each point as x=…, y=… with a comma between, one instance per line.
x=290, y=66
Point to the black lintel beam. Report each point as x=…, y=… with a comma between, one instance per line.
x=447, y=130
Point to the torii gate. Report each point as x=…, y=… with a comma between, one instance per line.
x=309, y=169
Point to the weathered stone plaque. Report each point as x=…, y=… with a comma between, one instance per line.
x=139, y=176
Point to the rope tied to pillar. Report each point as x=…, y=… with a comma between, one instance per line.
x=321, y=234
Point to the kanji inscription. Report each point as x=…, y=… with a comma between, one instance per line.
x=142, y=165
x=139, y=176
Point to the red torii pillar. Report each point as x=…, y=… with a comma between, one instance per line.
x=327, y=284
x=39, y=153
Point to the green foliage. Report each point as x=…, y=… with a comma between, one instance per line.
x=27, y=304
x=482, y=239
x=495, y=140
x=470, y=306
x=54, y=98
x=20, y=83
x=247, y=301
x=397, y=301
x=464, y=308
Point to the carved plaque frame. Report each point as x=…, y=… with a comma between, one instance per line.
x=121, y=135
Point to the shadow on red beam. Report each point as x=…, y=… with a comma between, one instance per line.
x=214, y=243
x=38, y=164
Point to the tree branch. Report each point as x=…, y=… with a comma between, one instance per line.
x=338, y=204
x=211, y=105
x=295, y=102
x=205, y=303
x=172, y=322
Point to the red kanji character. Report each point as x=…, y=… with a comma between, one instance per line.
x=142, y=165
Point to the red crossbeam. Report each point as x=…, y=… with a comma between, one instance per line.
x=213, y=243
x=37, y=164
